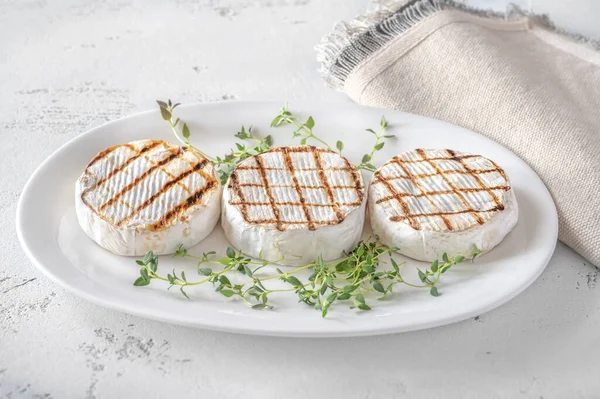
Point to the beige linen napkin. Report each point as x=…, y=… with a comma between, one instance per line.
x=515, y=79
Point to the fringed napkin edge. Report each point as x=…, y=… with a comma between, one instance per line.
x=352, y=43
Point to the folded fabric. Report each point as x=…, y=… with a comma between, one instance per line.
x=516, y=79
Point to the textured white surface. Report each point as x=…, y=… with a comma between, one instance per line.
x=124, y=197
x=68, y=66
x=293, y=204
x=76, y=263
x=451, y=205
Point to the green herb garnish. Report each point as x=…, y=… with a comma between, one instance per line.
x=166, y=111
x=305, y=132
x=227, y=163
x=224, y=164
x=349, y=279
x=366, y=162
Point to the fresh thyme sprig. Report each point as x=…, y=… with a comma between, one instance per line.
x=166, y=111
x=232, y=262
x=305, y=132
x=227, y=163
x=366, y=162
x=352, y=278
x=476, y=252
x=224, y=164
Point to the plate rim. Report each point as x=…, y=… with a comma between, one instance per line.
x=217, y=325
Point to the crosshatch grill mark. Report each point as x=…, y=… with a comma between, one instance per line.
x=412, y=218
x=289, y=168
x=263, y=176
x=103, y=154
x=137, y=155
x=200, y=165
x=174, y=153
x=477, y=217
x=416, y=183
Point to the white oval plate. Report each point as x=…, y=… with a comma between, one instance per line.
x=51, y=237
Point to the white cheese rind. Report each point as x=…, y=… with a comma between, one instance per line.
x=431, y=202
x=137, y=241
x=292, y=204
x=139, y=233
x=292, y=247
x=428, y=245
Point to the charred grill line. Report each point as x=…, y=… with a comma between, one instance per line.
x=236, y=184
x=202, y=172
x=462, y=190
x=123, y=166
x=172, y=176
x=265, y=180
x=296, y=149
x=401, y=218
x=290, y=166
x=414, y=223
x=273, y=221
x=336, y=208
x=416, y=183
x=290, y=203
x=103, y=154
x=189, y=202
x=448, y=172
x=284, y=186
x=496, y=168
x=468, y=208
x=476, y=177
x=199, y=166
x=358, y=186
x=173, y=153
x=409, y=217
x=140, y=178
x=452, y=158
x=242, y=167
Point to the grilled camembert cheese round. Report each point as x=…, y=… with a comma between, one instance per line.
x=292, y=204
x=148, y=195
x=427, y=202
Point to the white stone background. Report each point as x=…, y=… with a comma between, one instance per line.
x=67, y=66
